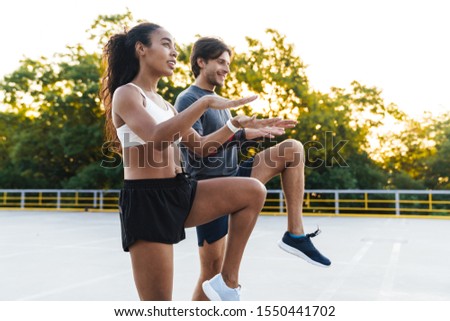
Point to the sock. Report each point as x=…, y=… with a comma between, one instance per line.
x=294, y=236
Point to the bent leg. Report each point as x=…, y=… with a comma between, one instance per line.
x=287, y=159
x=243, y=198
x=152, y=270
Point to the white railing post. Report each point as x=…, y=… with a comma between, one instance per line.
x=397, y=203
x=281, y=202
x=336, y=203
x=22, y=199
x=101, y=200
x=58, y=200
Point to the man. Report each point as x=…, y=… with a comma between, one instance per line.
x=210, y=62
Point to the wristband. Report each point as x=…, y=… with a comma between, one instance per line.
x=230, y=125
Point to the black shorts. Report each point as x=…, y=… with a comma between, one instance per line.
x=215, y=230
x=155, y=210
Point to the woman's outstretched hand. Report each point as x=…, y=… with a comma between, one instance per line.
x=217, y=102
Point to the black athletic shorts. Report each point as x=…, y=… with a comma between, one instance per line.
x=215, y=230
x=155, y=210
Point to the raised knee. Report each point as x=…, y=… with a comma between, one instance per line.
x=291, y=151
x=259, y=189
x=294, y=145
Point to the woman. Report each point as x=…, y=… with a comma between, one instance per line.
x=158, y=201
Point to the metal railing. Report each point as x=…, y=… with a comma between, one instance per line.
x=59, y=199
x=371, y=202
x=330, y=202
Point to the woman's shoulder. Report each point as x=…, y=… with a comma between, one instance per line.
x=128, y=88
x=125, y=94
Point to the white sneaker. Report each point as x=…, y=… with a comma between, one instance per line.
x=216, y=290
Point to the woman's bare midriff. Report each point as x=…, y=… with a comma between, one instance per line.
x=143, y=162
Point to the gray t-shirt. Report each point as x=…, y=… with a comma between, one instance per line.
x=225, y=161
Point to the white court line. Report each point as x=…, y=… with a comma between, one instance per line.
x=328, y=294
x=71, y=287
x=389, y=275
x=7, y=256
x=83, y=245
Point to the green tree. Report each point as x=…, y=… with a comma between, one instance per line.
x=437, y=172
x=407, y=151
x=51, y=132
x=54, y=137
x=10, y=124
x=330, y=124
x=59, y=136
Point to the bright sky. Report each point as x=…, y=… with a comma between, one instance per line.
x=401, y=47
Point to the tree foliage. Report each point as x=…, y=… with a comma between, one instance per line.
x=57, y=136
x=333, y=127
x=51, y=129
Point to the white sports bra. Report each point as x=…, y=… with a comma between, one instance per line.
x=129, y=138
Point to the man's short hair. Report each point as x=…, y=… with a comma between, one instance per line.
x=207, y=48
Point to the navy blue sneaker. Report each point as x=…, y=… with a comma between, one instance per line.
x=303, y=247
